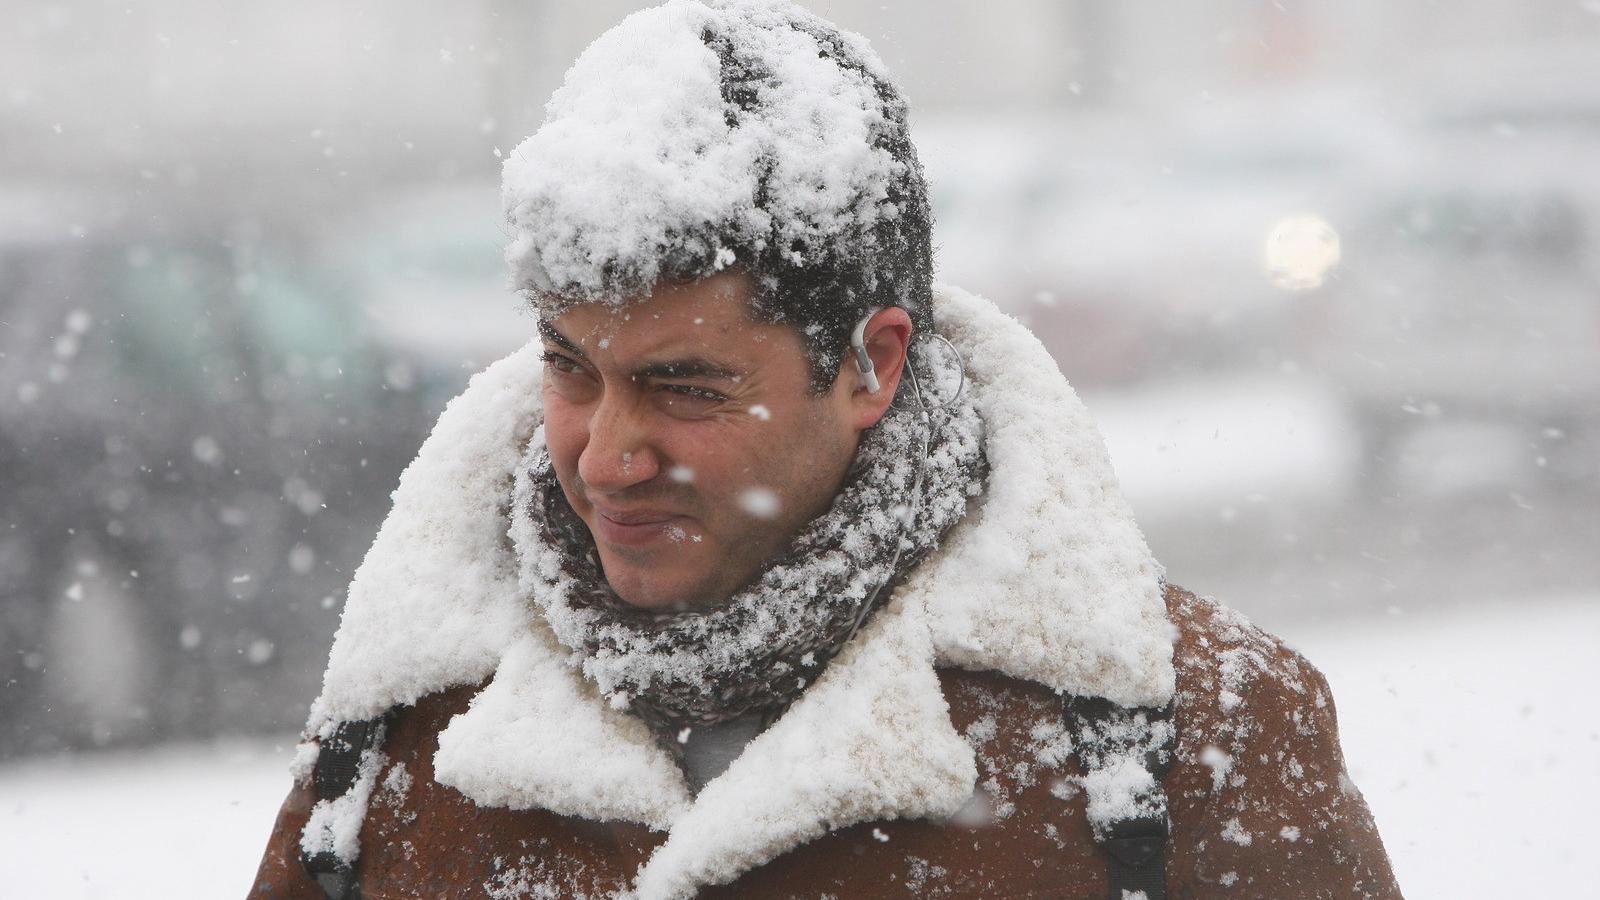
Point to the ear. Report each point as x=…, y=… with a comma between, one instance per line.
x=887, y=337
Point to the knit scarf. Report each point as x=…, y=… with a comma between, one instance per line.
x=759, y=650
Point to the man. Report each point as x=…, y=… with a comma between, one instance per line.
x=773, y=571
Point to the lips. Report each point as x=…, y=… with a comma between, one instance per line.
x=633, y=527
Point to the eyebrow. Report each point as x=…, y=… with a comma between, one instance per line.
x=549, y=333
x=688, y=367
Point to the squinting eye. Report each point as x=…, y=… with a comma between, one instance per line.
x=690, y=392
x=559, y=363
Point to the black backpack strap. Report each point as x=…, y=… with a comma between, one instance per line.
x=1106, y=735
x=337, y=769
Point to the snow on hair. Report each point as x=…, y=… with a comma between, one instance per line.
x=707, y=134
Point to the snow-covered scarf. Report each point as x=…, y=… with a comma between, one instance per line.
x=759, y=650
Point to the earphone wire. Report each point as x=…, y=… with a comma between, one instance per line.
x=909, y=519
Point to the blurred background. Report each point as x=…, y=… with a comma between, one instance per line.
x=1328, y=273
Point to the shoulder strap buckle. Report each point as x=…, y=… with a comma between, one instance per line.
x=337, y=769
x=1107, y=735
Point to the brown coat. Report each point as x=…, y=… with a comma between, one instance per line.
x=1259, y=801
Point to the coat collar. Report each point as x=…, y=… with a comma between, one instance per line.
x=1047, y=579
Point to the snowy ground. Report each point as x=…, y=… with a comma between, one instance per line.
x=184, y=821
x=1473, y=734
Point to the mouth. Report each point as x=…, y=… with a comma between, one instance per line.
x=634, y=528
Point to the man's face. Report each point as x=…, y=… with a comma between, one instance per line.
x=685, y=436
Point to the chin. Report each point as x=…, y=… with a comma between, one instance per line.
x=645, y=589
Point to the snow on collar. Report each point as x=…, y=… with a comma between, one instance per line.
x=1047, y=579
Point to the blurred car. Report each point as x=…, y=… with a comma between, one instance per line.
x=1451, y=299
x=1465, y=333
x=1135, y=250
x=195, y=443
x=1464, y=326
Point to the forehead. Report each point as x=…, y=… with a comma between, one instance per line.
x=710, y=317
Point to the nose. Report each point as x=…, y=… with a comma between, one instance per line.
x=618, y=454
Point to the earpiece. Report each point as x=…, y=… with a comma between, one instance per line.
x=858, y=343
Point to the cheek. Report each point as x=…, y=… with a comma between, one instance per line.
x=751, y=454
x=566, y=431
x=726, y=458
x=707, y=449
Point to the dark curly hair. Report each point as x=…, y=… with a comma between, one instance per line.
x=825, y=284
x=819, y=279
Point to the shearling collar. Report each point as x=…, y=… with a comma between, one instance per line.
x=1047, y=579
